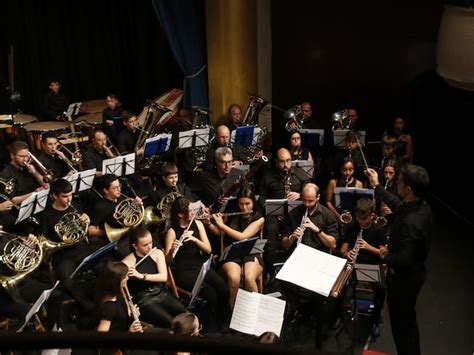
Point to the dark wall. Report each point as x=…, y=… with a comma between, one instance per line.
x=381, y=57
x=93, y=47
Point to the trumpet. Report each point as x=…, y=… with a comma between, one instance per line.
x=49, y=175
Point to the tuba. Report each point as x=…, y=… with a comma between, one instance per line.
x=342, y=120
x=21, y=258
x=256, y=104
x=199, y=153
x=153, y=122
x=293, y=115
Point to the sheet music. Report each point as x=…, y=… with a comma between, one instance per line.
x=105, y=249
x=35, y=203
x=244, y=246
x=200, y=279
x=368, y=272
x=115, y=165
x=86, y=179
x=320, y=269
x=37, y=305
x=157, y=144
x=186, y=138
x=73, y=109
x=255, y=313
x=41, y=200
x=304, y=166
x=276, y=207
x=245, y=135
x=346, y=197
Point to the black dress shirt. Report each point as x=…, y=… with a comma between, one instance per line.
x=272, y=184
x=93, y=159
x=24, y=181
x=55, y=163
x=54, y=105
x=127, y=140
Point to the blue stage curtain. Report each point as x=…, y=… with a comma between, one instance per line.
x=183, y=23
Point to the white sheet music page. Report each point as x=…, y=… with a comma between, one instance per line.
x=244, y=316
x=312, y=269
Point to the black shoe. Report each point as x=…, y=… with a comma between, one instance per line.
x=375, y=331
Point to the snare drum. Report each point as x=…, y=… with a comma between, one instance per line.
x=36, y=129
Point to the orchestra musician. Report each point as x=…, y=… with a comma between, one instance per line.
x=147, y=281
x=241, y=227
x=66, y=260
x=318, y=230
x=234, y=113
x=55, y=102
x=127, y=138
x=296, y=151
x=114, y=110
x=97, y=152
x=189, y=237
x=51, y=157
x=223, y=140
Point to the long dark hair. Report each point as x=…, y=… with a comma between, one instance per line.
x=180, y=205
x=109, y=281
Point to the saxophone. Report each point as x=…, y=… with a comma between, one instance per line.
x=287, y=183
x=348, y=268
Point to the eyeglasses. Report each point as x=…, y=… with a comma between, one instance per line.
x=225, y=162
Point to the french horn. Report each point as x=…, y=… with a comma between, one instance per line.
x=129, y=214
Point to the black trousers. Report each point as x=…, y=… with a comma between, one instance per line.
x=402, y=292
x=160, y=308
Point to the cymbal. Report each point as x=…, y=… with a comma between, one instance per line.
x=93, y=106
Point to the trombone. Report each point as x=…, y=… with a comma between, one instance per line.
x=49, y=175
x=112, y=150
x=75, y=157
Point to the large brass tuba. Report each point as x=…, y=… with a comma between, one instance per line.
x=21, y=258
x=154, y=121
x=256, y=104
x=199, y=122
x=342, y=120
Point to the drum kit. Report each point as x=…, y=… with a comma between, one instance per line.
x=29, y=129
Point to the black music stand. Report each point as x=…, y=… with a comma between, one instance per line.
x=34, y=204
x=280, y=207
x=311, y=138
x=94, y=257
x=238, y=249
x=206, y=266
x=194, y=138
x=303, y=168
x=346, y=197
x=339, y=136
x=120, y=166
x=157, y=145
x=81, y=180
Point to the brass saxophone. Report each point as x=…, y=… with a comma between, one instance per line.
x=348, y=268
x=287, y=183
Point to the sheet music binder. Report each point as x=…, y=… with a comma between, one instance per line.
x=346, y=197
x=98, y=254
x=280, y=207
x=311, y=138
x=120, y=166
x=370, y=273
x=194, y=138
x=238, y=249
x=157, y=145
x=206, y=266
x=304, y=167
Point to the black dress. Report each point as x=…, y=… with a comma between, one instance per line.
x=117, y=313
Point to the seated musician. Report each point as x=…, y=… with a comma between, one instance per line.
x=51, y=157
x=373, y=238
x=27, y=180
x=147, y=281
x=298, y=153
x=213, y=181
x=279, y=182
x=97, y=152
x=234, y=114
x=223, y=140
x=128, y=136
x=318, y=230
x=241, y=227
x=104, y=208
x=115, y=313
x=188, y=236
x=68, y=258
x=389, y=144
x=350, y=150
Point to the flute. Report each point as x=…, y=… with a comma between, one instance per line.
x=133, y=307
x=205, y=216
x=300, y=238
x=182, y=237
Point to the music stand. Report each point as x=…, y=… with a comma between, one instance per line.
x=245, y=136
x=346, y=197
x=303, y=168
x=35, y=203
x=206, y=266
x=311, y=138
x=73, y=109
x=194, y=138
x=81, y=180
x=120, y=166
x=95, y=256
x=157, y=145
x=280, y=207
x=370, y=273
x=339, y=136
x=238, y=249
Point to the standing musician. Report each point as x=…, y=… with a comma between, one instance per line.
x=67, y=259
x=318, y=230
x=189, y=237
x=148, y=280
x=51, y=157
x=407, y=250
x=278, y=183
x=369, y=249
x=97, y=152
x=114, y=110
x=241, y=227
x=104, y=208
x=55, y=102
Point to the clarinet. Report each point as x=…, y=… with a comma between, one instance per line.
x=133, y=307
x=300, y=238
x=182, y=237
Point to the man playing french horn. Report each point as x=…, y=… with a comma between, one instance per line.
x=65, y=225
